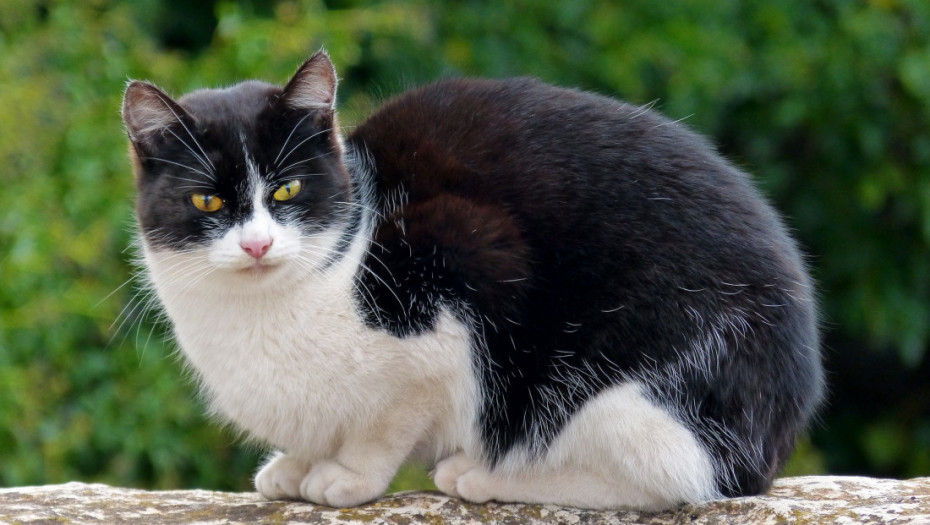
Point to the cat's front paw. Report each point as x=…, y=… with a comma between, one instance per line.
x=463, y=478
x=329, y=483
x=280, y=478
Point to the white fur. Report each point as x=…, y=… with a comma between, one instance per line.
x=619, y=450
x=282, y=353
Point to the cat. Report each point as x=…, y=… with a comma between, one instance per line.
x=548, y=295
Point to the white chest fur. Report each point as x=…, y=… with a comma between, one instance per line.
x=289, y=360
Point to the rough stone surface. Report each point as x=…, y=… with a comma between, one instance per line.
x=821, y=499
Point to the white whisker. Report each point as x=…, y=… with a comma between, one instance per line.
x=205, y=156
x=203, y=162
x=301, y=143
x=185, y=166
x=288, y=139
x=299, y=162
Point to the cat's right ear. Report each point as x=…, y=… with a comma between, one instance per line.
x=313, y=86
x=147, y=113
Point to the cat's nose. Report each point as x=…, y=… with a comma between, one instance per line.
x=257, y=247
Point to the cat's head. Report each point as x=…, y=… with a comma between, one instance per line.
x=243, y=181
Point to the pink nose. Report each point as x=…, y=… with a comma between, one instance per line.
x=256, y=248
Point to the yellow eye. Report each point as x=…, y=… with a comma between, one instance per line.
x=287, y=190
x=208, y=203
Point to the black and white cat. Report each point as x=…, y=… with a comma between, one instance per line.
x=550, y=295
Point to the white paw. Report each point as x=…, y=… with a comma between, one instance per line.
x=463, y=478
x=329, y=483
x=280, y=478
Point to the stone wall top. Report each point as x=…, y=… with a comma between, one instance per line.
x=816, y=499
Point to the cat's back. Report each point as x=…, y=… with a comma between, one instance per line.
x=521, y=139
x=563, y=182
x=515, y=125
x=583, y=168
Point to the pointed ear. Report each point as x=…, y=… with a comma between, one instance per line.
x=147, y=112
x=313, y=86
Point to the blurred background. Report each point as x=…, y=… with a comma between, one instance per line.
x=826, y=103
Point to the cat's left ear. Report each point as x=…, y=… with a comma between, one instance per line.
x=313, y=86
x=148, y=112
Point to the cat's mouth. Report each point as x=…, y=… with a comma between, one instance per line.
x=258, y=269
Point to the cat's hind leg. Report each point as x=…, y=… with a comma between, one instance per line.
x=563, y=487
x=619, y=451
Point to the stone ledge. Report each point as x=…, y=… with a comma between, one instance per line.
x=816, y=499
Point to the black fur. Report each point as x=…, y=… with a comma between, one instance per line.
x=586, y=240
x=226, y=123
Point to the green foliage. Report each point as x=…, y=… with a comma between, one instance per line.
x=827, y=103
x=78, y=401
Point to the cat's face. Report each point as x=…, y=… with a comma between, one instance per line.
x=244, y=181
